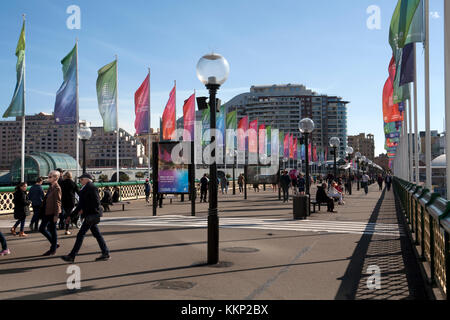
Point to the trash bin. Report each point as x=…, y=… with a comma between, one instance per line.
x=301, y=207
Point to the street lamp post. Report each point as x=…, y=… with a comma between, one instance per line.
x=349, y=152
x=358, y=158
x=213, y=71
x=85, y=133
x=334, y=143
x=306, y=127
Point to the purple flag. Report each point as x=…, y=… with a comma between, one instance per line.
x=408, y=69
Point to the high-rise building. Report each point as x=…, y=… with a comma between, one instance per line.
x=42, y=134
x=364, y=144
x=283, y=106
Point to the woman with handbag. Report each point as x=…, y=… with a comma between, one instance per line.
x=90, y=209
x=21, y=208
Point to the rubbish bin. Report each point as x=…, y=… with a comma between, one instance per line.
x=301, y=207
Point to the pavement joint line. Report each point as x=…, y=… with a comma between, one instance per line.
x=285, y=269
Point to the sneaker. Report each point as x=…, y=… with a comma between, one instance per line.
x=5, y=252
x=68, y=233
x=103, y=257
x=68, y=258
x=23, y=234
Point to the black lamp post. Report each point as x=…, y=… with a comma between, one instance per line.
x=85, y=133
x=306, y=127
x=213, y=71
x=349, y=183
x=334, y=143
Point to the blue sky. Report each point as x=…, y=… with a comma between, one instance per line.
x=323, y=44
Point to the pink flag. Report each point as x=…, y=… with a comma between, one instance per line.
x=189, y=118
x=241, y=134
x=142, y=107
x=262, y=139
x=253, y=137
x=169, y=115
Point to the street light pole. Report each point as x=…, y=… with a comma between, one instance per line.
x=84, y=155
x=335, y=168
x=308, y=180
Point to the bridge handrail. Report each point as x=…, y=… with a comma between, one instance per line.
x=428, y=215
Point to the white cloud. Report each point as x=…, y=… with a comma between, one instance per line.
x=435, y=14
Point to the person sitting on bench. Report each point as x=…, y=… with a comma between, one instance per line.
x=107, y=199
x=322, y=197
x=335, y=194
x=116, y=195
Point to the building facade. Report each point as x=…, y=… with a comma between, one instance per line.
x=42, y=134
x=364, y=144
x=283, y=106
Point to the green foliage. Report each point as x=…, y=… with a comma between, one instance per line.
x=103, y=178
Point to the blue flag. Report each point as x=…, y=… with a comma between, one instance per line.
x=66, y=97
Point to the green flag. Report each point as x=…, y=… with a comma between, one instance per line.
x=269, y=140
x=107, y=94
x=401, y=22
x=206, y=124
x=231, y=127
x=17, y=106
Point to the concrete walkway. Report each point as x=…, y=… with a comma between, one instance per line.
x=264, y=254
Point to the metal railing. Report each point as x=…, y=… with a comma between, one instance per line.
x=127, y=190
x=428, y=215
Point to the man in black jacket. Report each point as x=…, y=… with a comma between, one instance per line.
x=90, y=209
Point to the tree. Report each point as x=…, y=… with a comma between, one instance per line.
x=140, y=175
x=124, y=177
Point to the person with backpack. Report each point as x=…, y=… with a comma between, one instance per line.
x=36, y=195
x=21, y=208
x=91, y=211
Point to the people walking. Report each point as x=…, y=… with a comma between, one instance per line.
x=203, y=188
x=36, y=195
x=301, y=184
x=52, y=210
x=241, y=183
x=5, y=251
x=21, y=208
x=380, y=181
x=224, y=185
x=365, y=181
x=388, y=181
x=285, y=182
x=90, y=209
x=147, y=190
x=68, y=188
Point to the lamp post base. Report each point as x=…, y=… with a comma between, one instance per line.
x=213, y=236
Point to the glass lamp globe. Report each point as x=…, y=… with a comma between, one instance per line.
x=85, y=133
x=335, y=142
x=213, y=69
x=349, y=150
x=358, y=155
x=306, y=125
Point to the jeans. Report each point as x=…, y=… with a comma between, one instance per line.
x=67, y=211
x=48, y=229
x=241, y=188
x=203, y=194
x=3, y=242
x=35, y=219
x=366, y=187
x=80, y=237
x=388, y=185
x=285, y=194
x=21, y=222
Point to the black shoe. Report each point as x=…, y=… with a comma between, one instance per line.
x=68, y=258
x=103, y=257
x=49, y=253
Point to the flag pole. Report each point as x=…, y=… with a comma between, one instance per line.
x=410, y=145
x=77, y=116
x=23, y=116
x=416, y=122
x=428, y=183
x=447, y=89
x=149, y=127
x=117, y=123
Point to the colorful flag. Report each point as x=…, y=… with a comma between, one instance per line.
x=309, y=152
x=66, y=97
x=142, y=107
x=242, y=134
x=189, y=118
x=315, y=154
x=220, y=126
x=107, y=95
x=231, y=124
x=291, y=146
x=262, y=139
x=286, y=145
x=408, y=66
x=17, y=106
x=295, y=149
x=281, y=141
x=303, y=153
x=206, y=125
x=401, y=22
x=269, y=140
x=253, y=137
x=169, y=116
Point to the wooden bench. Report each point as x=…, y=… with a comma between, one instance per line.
x=121, y=203
x=315, y=203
